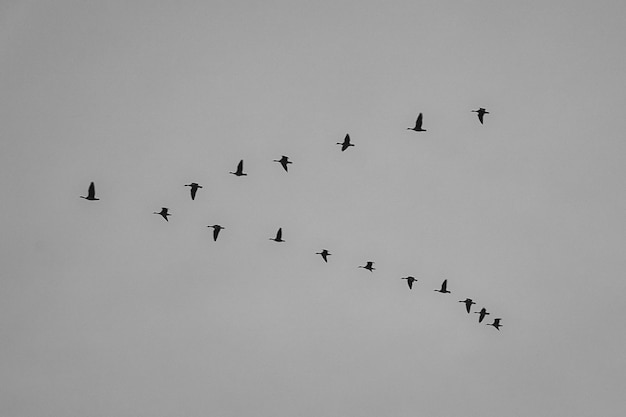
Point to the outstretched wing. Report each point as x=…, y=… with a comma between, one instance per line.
x=279, y=234
x=92, y=191
x=216, y=232
x=240, y=167
x=418, y=122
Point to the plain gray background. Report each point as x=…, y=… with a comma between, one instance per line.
x=107, y=310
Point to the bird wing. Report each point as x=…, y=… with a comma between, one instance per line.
x=418, y=122
x=444, y=285
x=283, y=162
x=480, y=117
x=92, y=190
x=240, y=166
x=216, y=231
x=279, y=234
x=193, y=192
x=408, y=281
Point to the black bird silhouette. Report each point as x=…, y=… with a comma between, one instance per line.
x=369, y=266
x=284, y=161
x=483, y=313
x=481, y=112
x=468, y=303
x=194, y=188
x=216, y=230
x=496, y=323
x=163, y=213
x=410, y=280
x=346, y=143
x=444, y=286
x=91, y=193
x=324, y=254
x=418, y=124
x=279, y=236
x=239, y=171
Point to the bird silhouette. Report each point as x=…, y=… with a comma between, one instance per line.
x=444, y=286
x=239, y=171
x=216, y=230
x=324, y=254
x=369, y=266
x=163, y=213
x=91, y=193
x=481, y=112
x=468, y=303
x=346, y=143
x=410, y=280
x=284, y=161
x=418, y=124
x=279, y=236
x=483, y=313
x=194, y=188
x=496, y=323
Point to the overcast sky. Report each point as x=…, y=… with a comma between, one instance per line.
x=108, y=310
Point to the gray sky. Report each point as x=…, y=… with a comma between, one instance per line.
x=107, y=310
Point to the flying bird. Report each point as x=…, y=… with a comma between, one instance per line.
x=324, y=254
x=496, y=323
x=279, y=236
x=194, y=188
x=239, y=171
x=163, y=213
x=216, y=230
x=481, y=112
x=284, y=161
x=410, y=280
x=369, y=266
x=468, y=303
x=483, y=313
x=346, y=143
x=418, y=124
x=91, y=193
x=444, y=286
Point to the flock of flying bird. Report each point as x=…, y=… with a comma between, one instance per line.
x=284, y=161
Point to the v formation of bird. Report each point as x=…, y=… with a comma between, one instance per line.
x=369, y=265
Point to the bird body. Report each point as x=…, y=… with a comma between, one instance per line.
x=369, y=266
x=91, y=193
x=468, y=303
x=324, y=254
x=496, y=323
x=279, y=236
x=194, y=188
x=164, y=213
x=481, y=112
x=346, y=143
x=284, y=161
x=483, y=313
x=216, y=230
x=239, y=171
x=410, y=280
x=444, y=287
x=418, y=124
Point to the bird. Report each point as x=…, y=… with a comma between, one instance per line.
x=324, y=254
x=418, y=124
x=284, y=161
x=91, y=193
x=483, y=313
x=163, y=213
x=410, y=280
x=346, y=143
x=239, y=171
x=194, y=188
x=444, y=286
x=216, y=230
x=279, y=236
x=496, y=323
x=468, y=303
x=481, y=112
x=369, y=266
